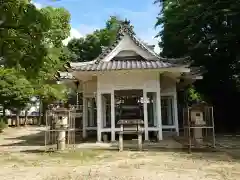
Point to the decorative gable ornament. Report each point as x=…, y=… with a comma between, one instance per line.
x=107, y=60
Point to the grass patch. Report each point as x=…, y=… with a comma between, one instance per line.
x=11, y=159
x=54, y=158
x=137, y=155
x=79, y=155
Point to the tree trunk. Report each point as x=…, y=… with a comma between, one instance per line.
x=4, y=114
x=40, y=111
x=25, y=118
x=17, y=118
x=44, y=109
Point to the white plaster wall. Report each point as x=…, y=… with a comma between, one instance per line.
x=108, y=81
x=90, y=87
x=147, y=80
x=120, y=80
x=127, y=80
x=168, y=85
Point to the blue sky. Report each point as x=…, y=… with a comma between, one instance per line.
x=88, y=15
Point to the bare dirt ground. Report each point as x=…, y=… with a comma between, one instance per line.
x=19, y=161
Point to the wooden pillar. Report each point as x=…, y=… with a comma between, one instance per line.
x=84, y=118
x=99, y=116
x=77, y=100
x=91, y=114
x=155, y=109
x=104, y=108
x=112, y=116
x=175, y=113
x=170, y=110
x=77, y=95
x=159, y=113
x=145, y=113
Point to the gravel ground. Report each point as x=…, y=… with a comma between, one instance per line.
x=18, y=161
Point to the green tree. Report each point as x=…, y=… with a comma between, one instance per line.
x=15, y=90
x=88, y=48
x=21, y=51
x=21, y=30
x=57, y=56
x=207, y=31
x=31, y=50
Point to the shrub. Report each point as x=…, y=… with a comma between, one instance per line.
x=3, y=125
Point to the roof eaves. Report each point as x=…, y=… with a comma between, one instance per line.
x=125, y=65
x=64, y=76
x=76, y=65
x=177, y=61
x=197, y=71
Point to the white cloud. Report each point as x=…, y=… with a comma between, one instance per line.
x=74, y=33
x=157, y=49
x=37, y=5
x=87, y=29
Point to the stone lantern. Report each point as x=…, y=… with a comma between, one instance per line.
x=197, y=120
x=61, y=125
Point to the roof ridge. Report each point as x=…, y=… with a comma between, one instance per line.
x=124, y=28
x=144, y=46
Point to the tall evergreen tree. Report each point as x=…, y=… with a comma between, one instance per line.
x=208, y=31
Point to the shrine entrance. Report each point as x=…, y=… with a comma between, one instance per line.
x=128, y=105
x=129, y=80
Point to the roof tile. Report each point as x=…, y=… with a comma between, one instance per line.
x=123, y=65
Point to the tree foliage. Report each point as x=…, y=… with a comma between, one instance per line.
x=89, y=47
x=193, y=95
x=31, y=51
x=208, y=31
x=22, y=30
x=59, y=30
x=15, y=89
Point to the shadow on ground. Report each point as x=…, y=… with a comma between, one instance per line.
x=36, y=139
x=229, y=153
x=153, y=152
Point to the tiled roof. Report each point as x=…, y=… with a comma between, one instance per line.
x=123, y=65
x=197, y=71
x=64, y=75
x=125, y=29
x=128, y=63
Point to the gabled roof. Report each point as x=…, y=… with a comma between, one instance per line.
x=98, y=64
x=125, y=29
x=125, y=63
